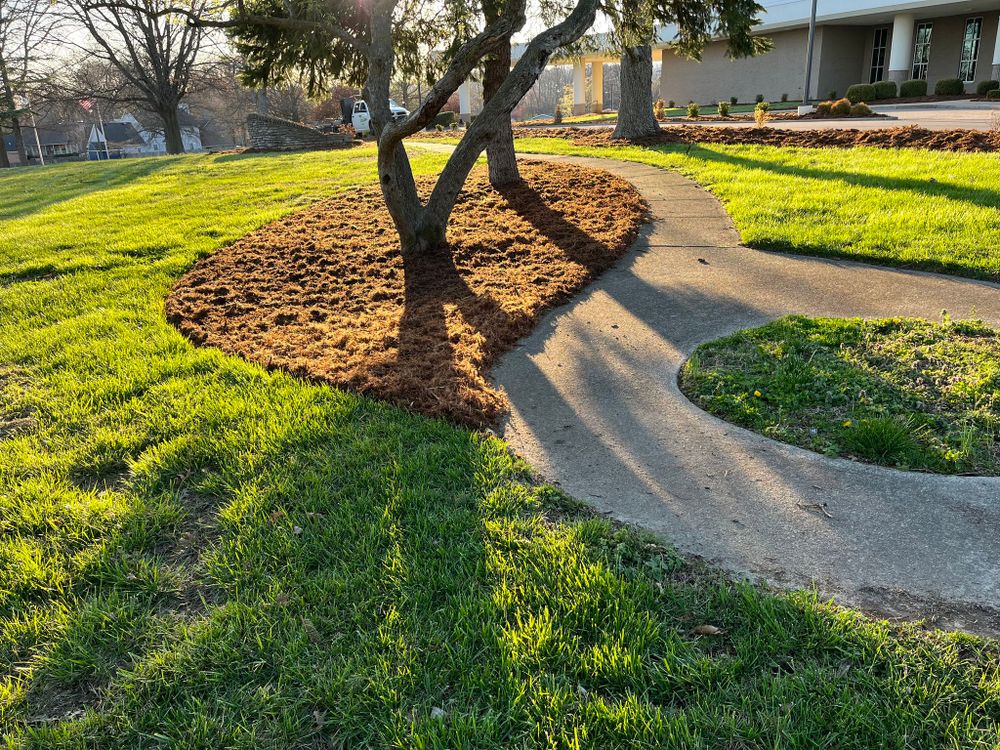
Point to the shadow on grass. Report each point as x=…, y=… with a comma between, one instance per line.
x=69, y=181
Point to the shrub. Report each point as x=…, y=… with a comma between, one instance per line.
x=861, y=110
x=832, y=96
x=445, y=119
x=860, y=92
x=949, y=87
x=994, y=94
x=660, y=110
x=671, y=104
x=759, y=98
x=439, y=128
x=985, y=87
x=557, y=117
x=723, y=109
x=734, y=100
x=693, y=109
x=823, y=109
x=841, y=108
x=913, y=88
x=886, y=90
x=760, y=114
x=784, y=97
x=454, y=126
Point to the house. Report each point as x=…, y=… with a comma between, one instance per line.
x=128, y=136
x=59, y=143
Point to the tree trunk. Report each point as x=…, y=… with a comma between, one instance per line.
x=172, y=131
x=635, y=114
x=15, y=122
x=500, y=154
x=4, y=159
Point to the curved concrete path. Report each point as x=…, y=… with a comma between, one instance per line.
x=596, y=410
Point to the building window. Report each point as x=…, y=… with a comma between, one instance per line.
x=878, y=54
x=970, y=49
x=922, y=51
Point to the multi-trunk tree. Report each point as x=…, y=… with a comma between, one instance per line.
x=368, y=42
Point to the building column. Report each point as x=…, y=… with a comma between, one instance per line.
x=900, y=66
x=597, y=85
x=464, y=101
x=996, y=57
x=579, y=87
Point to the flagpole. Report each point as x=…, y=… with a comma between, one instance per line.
x=34, y=126
x=107, y=151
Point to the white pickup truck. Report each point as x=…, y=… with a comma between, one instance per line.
x=355, y=112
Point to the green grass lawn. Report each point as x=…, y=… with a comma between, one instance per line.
x=196, y=553
x=904, y=393
x=928, y=210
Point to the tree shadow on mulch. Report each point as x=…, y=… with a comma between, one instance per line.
x=326, y=294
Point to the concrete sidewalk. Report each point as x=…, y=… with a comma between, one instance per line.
x=597, y=410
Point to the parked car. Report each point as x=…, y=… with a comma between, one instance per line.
x=355, y=111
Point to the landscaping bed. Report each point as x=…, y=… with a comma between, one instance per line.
x=902, y=137
x=325, y=293
x=904, y=393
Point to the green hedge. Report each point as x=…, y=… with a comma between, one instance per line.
x=994, y=94
x=949, y=87
x=985, y=87
x=445, y=119
x=861, y=92
x=886, y=90
x=913, y=88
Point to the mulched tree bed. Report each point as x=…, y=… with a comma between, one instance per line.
x=902, y=137
x=326, y=294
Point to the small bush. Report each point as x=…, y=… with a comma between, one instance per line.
x=723, y=109
x=660, y=110
x=913, y=88
x=886, y=90
x=861, y=110
x=832, y=96
x=760, y=114
x=445, y=119
x=759, y=98
x=734, y=100
x=693, y=109
x=949, y=87
x=671, y=104
x=985, y=87
x=784, y=97
x=557, y=117
x=439, y=128
x=994, y=94
x=823, y=109
x=454, y=126
x=860, y=92
x=841, y=108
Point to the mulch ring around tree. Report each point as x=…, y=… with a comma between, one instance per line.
x=327, y=295
x=901, y=137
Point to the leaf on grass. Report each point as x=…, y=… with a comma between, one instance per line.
x=706, y=630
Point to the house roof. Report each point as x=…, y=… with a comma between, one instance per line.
x=49, y=136
x=122, y=132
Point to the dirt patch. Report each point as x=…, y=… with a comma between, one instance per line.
x=326, y=294
x=904, y=137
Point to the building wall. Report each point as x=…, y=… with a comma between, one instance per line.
x=946, y=47
x=841, y=52
x=780, y=71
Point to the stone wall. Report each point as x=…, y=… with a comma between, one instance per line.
x=267, y=133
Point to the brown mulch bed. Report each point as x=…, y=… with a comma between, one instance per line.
x=326, y=294
x=903, y=137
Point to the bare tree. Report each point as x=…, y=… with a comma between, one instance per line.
x=26, y=28
x=154, y=49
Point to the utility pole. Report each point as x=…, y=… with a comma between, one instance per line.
x=809, y=54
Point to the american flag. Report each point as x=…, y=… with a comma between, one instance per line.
x=87, y=104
